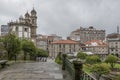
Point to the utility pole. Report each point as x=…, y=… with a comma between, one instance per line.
x=79, y=35
x=117, y=29
x=79, y=41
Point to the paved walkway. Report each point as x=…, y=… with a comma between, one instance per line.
x=34, y=71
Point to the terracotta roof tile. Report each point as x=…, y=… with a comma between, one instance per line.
x=98, y=42
x=65, y=42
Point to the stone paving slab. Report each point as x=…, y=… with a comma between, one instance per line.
x=33, y=71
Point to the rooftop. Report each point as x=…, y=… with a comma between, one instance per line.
x=95, y=43
x=113, y=35
x=65, y=42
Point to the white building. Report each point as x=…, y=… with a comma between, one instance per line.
x=98, y=47
x=114, y=44
x=26, y=26
x=64, y=46
x=41, y=41
x=87, y=34
x=44, y=41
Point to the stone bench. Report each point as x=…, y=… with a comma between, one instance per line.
x=3, y=63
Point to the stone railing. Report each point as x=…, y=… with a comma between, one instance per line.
x=75, y=69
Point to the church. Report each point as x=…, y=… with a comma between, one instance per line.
x=25, y=27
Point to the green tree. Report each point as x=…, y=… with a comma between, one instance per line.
x=93, y=59
x=12, y=44
x=42, y=53
x=58, y=59
x=111, y=59
x=28, y=48
x=17, y=47
x=100, y=69
x=2, y=51
x=81, y=55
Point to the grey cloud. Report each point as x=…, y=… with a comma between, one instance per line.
x=63, y=16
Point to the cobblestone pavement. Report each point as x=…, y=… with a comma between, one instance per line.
x=34, y=71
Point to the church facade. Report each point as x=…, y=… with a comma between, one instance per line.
x=25, y=27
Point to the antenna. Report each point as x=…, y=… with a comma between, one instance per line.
x=33, y=6
x=118, y=29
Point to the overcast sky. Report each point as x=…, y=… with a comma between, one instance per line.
x=63, y=16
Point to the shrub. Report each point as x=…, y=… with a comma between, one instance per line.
x=81, y=55
x=100, y=69
x=58, y=59
x=42, y=53
x=93, y=59
x=111, y=59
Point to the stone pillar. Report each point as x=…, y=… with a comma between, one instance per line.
x=78, y=70
x=63, y=59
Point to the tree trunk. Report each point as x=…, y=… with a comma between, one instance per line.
x=25, y=56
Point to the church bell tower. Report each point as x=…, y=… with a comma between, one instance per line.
x=34, y=23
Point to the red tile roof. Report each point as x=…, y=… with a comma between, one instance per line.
x=98, y=42
x=65, y=42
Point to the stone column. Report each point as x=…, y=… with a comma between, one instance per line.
x=63, y=59
x=78, y=70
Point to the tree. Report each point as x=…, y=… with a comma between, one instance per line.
x=100, y=69
x=17, y=47
x=58, y=59
x=93, y=59
x=81, y=55
x=12, y=44
x=111, y=59
x=2, y=51
x=29, y=48
x=42, y=53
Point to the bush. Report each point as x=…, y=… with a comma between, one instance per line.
x=92, y=59
x=81, y=55
x=100, y=69
x=58, y=59
x=111, y=59
x=42, y=53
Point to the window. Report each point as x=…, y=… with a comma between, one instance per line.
x=16, y=28
x=25, y=29
x=112, y=49
x=59, y=45
x=63, y=45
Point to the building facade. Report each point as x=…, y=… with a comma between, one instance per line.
x=26, y=26
x=96, y=47
x=41, y=41
x=63, y=46
x=87, y=34
x=113, y=41
x=4, y=29
x=44, y=41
